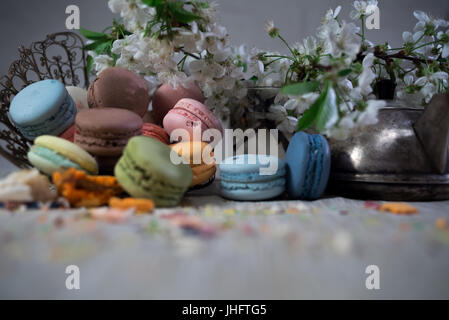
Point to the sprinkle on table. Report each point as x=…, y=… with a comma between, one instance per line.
x=441, y=223
x=398, y=208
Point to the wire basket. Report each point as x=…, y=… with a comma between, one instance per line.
x=60, y=56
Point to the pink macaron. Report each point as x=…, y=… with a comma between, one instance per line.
x=190, y=114
x=165, y=98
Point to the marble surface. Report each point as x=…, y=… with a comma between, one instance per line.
x=228, y=250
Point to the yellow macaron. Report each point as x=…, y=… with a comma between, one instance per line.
x=50, y=154
x=200, y=157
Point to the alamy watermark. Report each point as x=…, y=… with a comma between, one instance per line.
x=73, y=279
x=372, y=282
x=373, y=20
x=234, y=142
x=72, y=22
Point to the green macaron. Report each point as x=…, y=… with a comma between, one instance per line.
x=146, y=170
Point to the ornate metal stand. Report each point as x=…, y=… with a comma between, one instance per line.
x=60, y=56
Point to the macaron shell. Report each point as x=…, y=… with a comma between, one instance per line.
x=119, y=88
x=192, y=151
x=37, y=102
x=189, y=114
x=165, y=98
x=44, y=165
x=308, y=166
x=69, y=150
x=202, y=173
x=322, y=167
x=200, y=111
x=192, y=125
x=154, y=131
x=297, y=162
x=145, y=170
x=44, y=107
x=241, y=178
x=69, y=134
x=247, y=168
x=106, y=131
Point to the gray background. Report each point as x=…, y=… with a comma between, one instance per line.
x=24, y=21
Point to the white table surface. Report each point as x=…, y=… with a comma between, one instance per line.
x=259, y=250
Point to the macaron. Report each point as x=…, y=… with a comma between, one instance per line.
x=146, y=170
x=44, y=107
x=252, y=177
x=69, y=134
x=203, y=168
x=189, y=114
x=308, y=166
x=105, y=131
x=79, y=96
x=165, y=98
x=154, y=131
x=50, y=154
x=117, y=87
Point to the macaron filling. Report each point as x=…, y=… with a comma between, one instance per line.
x=252, y=176
x=55, y=157
x=92, y=141
x=255, y=185
x=65, y=115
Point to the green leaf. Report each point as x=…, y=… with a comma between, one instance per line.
x=104, y=47
x=323, y=111
x=300, y=88
x=182, y=15
x=89, y=64
x=345, y=72
x=94, y=45
x=152, y=3
x=309, y=117
x=328, y=112
x=92, y=35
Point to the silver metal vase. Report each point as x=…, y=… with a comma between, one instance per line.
x=404, y=157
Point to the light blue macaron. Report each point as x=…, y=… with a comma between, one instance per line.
x=44, y=107
x=252, y=177
x=308, y=166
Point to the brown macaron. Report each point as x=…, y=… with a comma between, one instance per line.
x=105, y=132
x=165, y=98
x=117, y=87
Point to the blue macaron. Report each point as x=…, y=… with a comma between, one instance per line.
x=44, y=107
x=252, y=177
x=308, y=166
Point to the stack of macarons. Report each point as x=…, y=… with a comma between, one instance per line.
x=303, y=175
